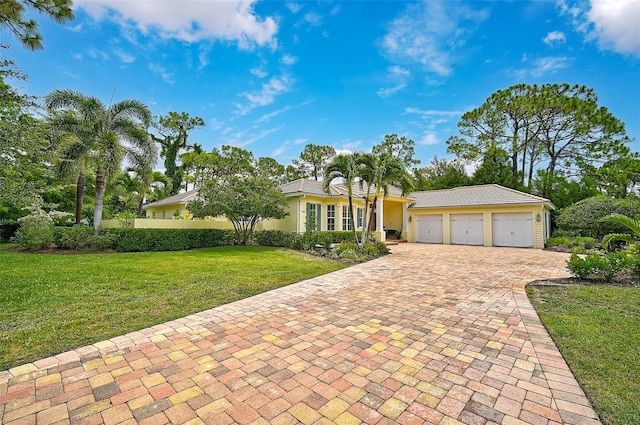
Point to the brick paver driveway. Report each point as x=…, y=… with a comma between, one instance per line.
x=430, y=334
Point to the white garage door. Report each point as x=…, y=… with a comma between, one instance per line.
x=429, y=228
x=513, y=229
x=467, y=229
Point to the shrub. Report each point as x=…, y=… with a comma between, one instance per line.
x=584, y=216
x=594, y=266
x=576, y=244
x=347, y=250
x=76, y=237
x=36, y=229
x=275, y=238
x=134, y=240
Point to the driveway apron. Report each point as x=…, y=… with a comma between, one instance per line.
x=432, y=334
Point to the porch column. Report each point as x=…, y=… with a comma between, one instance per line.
x=405, y=219
x=380, y=220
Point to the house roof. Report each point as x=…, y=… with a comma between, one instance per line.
x=180, y=198
x=467, y=196
x=296, y=187
x=313, y=187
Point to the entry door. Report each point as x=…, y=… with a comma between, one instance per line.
x=429, y=228
x=467, y=229
x=513, y=229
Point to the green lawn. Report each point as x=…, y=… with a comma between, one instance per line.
x=597, y=329
x=50, y=303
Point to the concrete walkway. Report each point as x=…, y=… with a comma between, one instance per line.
x=431, y=334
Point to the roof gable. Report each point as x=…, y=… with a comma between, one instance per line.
x=181, y=198
x=466, y=196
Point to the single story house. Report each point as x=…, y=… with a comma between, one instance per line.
x=489, y=215
x=306, y=202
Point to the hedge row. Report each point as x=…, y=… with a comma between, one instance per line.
x=132, y=240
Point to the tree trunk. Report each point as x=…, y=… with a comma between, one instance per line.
x=97, y=212
x=80, y=186
x=353, y=223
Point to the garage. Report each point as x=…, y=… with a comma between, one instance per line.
x=513, y=229
x=429, y=228
x=489, y=215
x=467, y=229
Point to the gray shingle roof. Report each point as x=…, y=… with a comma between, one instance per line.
x=180, y=198
x=488, y=194
x=300, y=186
x=309, y=187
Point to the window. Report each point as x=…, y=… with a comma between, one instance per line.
x=153, y=214
x=314, y=219
x=331, y=217
x=359, y=218
x=346, y=223
x=164, y=214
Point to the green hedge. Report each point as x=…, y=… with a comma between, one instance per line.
x=132, y=240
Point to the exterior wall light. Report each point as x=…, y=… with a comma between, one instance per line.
x=410, y=219
x=538, y=217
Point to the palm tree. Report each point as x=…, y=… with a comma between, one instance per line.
x=343, y=167
x=380, y=172
x=106, y=135
x=630, y=223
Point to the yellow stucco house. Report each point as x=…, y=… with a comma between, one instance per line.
x=489, y=215
x=306, y=200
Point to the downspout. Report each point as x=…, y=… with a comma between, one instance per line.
x=298, y=213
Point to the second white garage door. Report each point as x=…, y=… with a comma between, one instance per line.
x=513, y=229
x=429, y=228
x=467, y=229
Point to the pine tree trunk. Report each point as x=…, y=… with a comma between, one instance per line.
x=80, y=186
x=97, y=213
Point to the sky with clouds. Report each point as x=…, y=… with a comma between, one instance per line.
x=272, y=76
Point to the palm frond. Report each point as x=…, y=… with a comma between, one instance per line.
x=630, y=223
x=614, y=237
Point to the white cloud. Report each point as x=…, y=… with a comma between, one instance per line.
x=429, y=139
x=95, y=54
x=124, y=57
x=313, y=18
x=287, y=144
x=189, y=20
x=429, y=33
x=398, y=78
x=617, y=24
x=427, y=113
x=541, y=66
x=259, y=72
x=243, y=139
x=555, y=37
x=267, y=117
x=293, y=7
x=266, y=95
x=168, y=77
x=289, y=59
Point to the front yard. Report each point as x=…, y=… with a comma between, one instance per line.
x=597, y=329
x=51, y=303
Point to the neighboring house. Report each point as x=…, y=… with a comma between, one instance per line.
x=489, y=215
x=173, y=206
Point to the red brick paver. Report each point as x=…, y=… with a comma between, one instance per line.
x=430, y=334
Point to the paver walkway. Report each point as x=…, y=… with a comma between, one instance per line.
x=431, y=334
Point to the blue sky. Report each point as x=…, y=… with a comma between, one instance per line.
x=272, y=76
